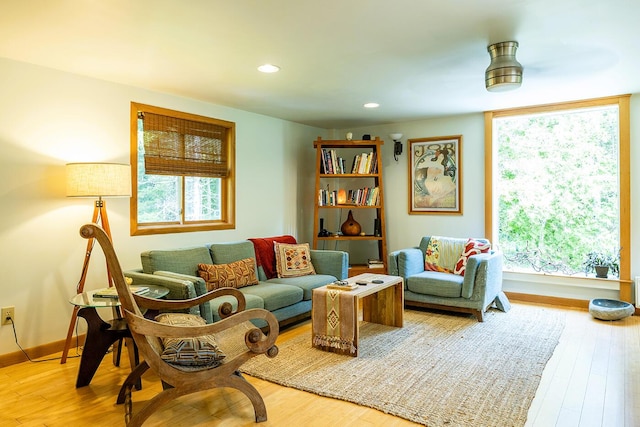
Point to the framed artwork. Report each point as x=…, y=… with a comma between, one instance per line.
x=435, y=175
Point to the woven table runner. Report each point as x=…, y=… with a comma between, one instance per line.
x=334, y=321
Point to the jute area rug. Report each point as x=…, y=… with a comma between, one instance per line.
x=440, y=369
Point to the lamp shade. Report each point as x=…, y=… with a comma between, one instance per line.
x=98, y=180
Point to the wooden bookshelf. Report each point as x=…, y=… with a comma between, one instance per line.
x=355, y=167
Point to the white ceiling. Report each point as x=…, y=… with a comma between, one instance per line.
x=417, y=58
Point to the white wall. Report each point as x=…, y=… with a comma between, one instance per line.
x=404, y=230
x=49, y=118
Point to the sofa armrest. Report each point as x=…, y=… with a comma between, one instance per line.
x=483, y=275
x=181, y=286
x=406, y=262
x=332, y=263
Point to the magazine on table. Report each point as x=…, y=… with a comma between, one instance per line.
x=111, y=292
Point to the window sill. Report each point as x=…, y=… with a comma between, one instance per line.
x=591, y=282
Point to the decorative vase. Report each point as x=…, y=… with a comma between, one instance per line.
x=376, y=228
x=322, y=232
x=350, y=227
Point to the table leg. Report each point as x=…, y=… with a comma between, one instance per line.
x=134, y=358
x=100, y=336
x=385, y=306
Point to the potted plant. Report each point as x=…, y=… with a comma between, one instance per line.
x=601, y=263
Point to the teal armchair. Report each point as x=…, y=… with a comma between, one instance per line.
x=479, y=288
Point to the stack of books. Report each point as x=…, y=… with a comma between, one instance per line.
x=376, y=263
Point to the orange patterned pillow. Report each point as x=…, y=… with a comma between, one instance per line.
x=293, y=260
x=233, y=275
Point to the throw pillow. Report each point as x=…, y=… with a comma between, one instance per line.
x=293, y=260
x=432, y=261
x=473, y=247
x=200, y=351
x=233, y=275
x=265, y=255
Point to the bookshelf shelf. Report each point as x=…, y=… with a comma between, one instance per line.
x=352, y=171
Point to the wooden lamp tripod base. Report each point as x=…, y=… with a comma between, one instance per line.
x=99, y=217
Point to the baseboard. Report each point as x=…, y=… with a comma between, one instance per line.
x=38, y=352
x=543, y=299
x=558, y=301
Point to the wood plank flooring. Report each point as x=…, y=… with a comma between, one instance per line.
x=593, y=379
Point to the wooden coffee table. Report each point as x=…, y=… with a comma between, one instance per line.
x=381, y=303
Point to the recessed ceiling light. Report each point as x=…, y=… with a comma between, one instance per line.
x=371, y=105
x=269, y=68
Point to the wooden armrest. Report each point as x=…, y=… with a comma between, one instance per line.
x=163, y=304
x=143, y=326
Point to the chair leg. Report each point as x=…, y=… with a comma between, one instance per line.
x=502, y=302
x=132, y=379
x=159, y=400
x=479, y=315
x=239, y=383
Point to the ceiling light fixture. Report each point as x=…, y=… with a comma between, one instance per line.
x=268, y=68
x=505, y=72
x=371, y=105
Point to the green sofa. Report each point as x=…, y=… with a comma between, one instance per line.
x=289, y=299
x=473, y=292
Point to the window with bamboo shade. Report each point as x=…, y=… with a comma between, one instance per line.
x=183, y=171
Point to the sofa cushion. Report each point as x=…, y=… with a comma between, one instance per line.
x=442, y=253
x=306, y=283
x=436, y=283
x=265, y=253
x=183, y=261
x=472, y=247
x=233, y=275
x=293, y=260
x=275, y=295
x=200, y=351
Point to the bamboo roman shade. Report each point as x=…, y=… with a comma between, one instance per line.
x=181, y=147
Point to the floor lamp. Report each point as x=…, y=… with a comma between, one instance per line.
x=95, y=180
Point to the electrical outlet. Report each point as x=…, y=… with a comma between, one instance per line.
x=8, y=312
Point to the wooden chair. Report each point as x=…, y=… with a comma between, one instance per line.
x=236, y=336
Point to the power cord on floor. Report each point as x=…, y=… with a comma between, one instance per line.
x=15, y=335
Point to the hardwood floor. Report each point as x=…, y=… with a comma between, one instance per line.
x=593, y=379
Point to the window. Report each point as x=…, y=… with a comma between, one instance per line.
x=182, y=170
x=557, y=182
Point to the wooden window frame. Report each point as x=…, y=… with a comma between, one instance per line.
x=622, y=101
x=227, y=220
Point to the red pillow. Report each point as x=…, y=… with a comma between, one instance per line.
x=265, y=254
x=473, y=247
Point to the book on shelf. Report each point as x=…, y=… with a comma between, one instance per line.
x=365, y=163
x=111, y=292
x=366, y=196
x=331, y=163
x=375, y=263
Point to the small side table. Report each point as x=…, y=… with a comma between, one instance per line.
x=100, y=334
